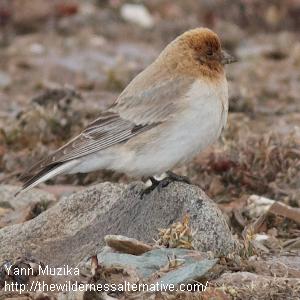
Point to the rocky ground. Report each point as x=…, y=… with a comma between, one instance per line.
x=62, y=62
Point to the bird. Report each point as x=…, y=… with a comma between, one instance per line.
x=170, y=112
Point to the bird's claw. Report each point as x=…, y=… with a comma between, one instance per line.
x=160, y=184
x=149, y=189
x=179, y=178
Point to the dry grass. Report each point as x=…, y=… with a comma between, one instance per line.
x=276, y=289
x=178, y=235
x=266, y=165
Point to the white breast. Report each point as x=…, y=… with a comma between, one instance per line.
x=173, y=142
x=190, y=132
x=202, y=122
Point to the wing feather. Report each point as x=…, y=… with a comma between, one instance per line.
x=159, y=102
x=108, y=130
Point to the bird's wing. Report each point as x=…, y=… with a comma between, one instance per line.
x=157, y=103
x=109, y=129
x=129, y=116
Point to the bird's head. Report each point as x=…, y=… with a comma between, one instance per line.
x=206, y=47
x=198, y=51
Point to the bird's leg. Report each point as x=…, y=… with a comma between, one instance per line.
x=179, y=178
x=149, y=189
x=171, y=177
x=164, y=182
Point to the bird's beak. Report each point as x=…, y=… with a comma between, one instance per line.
x=227, y=58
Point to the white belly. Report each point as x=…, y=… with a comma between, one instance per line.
x=183, y=137
x=172, y=143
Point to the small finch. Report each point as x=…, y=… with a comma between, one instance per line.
x=167, y=114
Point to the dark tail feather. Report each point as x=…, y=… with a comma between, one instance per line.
x=45, y=174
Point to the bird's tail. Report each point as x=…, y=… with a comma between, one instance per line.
x=46, y=173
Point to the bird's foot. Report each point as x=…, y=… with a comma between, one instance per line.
x=149, y=189
x=160, y=184
x=175, y=177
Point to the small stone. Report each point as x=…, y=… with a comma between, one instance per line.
x=258, y=205
x=5, y=80
x=137, y=14
x=126, y=245
x=37, y=49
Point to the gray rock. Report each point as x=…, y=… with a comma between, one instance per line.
x=18, y=208
x=194, y=264
x=75, y=227
x=188, y=273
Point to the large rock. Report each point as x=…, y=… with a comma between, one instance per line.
x=190, y=264
x=75, y=227
x=15, y=210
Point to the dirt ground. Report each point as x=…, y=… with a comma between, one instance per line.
x=62, y=62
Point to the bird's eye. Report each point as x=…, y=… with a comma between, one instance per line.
x=209, y=52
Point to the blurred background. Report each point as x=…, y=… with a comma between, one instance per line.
x=62, y=62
